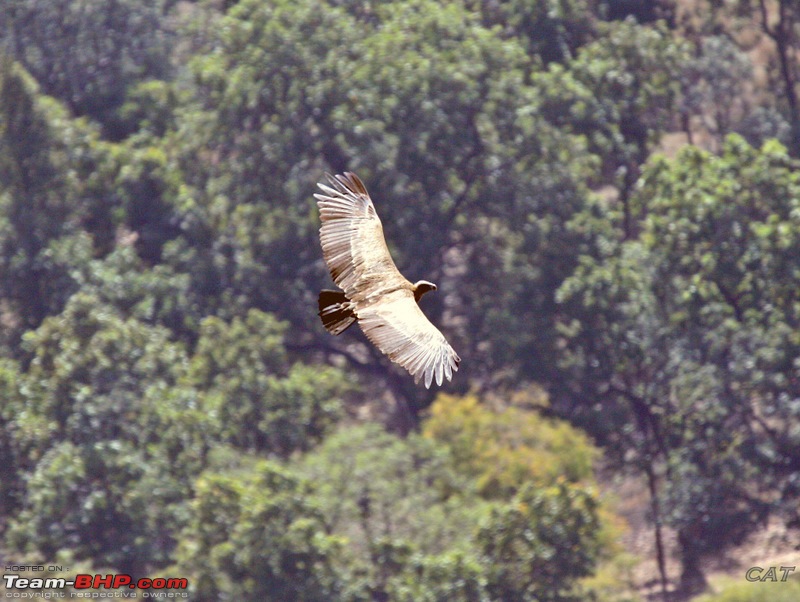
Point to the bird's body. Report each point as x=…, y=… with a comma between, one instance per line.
x=374, y=292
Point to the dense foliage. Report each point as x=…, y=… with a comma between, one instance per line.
x=169, y=401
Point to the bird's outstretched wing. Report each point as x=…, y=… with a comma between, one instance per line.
x=352, y=239
x=397, y=326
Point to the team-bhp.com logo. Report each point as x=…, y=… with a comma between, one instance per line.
x=152, y=588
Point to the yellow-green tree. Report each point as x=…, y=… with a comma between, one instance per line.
x=507, y=449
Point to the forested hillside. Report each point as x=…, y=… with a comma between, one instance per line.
x=606, y=192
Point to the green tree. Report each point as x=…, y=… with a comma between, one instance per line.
x=539, y=543
x=11, y=474
x=644, y=11
x=712, y=85
x=620, y=92
x=391, y=499
x=149, y=191
x=775, y=24
x=90, y=370
x=253, y=534
x=41, y=208
x=710, y=282
x=417, y=523
x=105, y=501
x=87, y=53
x=550, y=30
x=456, y=576
x=107, y=449
x=156, y=295
x=262, y=403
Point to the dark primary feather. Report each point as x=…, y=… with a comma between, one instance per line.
x=335, y=311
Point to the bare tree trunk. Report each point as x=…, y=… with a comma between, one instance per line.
x=781, y=34
x=655, y=508
x=693, y=581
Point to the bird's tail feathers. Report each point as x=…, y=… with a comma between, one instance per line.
x=335, y=311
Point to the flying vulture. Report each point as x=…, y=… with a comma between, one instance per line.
x=374, y=292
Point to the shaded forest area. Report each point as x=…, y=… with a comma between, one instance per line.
x=606, y=192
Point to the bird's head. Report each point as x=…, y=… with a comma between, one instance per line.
x=421, y=287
